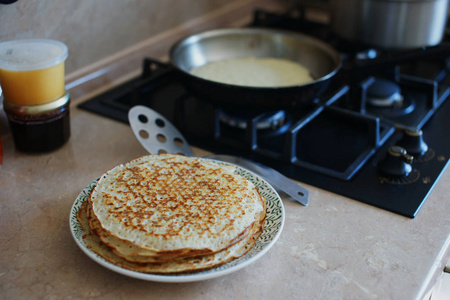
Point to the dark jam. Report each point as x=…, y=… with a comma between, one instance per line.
x=40, y=132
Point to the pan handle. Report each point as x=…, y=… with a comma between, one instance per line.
x=399, y=57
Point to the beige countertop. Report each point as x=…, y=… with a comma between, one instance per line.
x=334, y=248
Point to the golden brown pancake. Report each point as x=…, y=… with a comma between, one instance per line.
x=194, y=264
x=172, y=214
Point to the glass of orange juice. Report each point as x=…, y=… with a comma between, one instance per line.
x=34, y=96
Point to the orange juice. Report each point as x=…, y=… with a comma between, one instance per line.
x=32, y=71
x=33, y=87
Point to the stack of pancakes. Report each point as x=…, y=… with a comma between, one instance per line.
x=169, y=213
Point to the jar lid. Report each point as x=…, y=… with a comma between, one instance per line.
x=31, y=54
x=36, y=109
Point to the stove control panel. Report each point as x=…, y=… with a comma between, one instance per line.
x=412, y=141
x=397, y=163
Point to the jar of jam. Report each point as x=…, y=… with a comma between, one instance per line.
x=39, y=128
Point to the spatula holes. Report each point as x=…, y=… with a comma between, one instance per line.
x=143, y=119
x=162, y=151
x=178, y=142
x=301, y=194
x=160, y=123
x=161, y=138
x=143, y=134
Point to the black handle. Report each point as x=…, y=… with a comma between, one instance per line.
x=7, y=1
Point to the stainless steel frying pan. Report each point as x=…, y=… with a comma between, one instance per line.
x=319, y=58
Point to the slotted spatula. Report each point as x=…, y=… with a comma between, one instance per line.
x=158, y=135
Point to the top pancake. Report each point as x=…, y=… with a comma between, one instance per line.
x=170, y=202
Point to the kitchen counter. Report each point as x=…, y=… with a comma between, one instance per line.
x=334, y=248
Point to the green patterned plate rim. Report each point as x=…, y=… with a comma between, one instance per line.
x=275, y=218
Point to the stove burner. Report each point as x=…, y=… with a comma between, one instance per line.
x=238, y=119
x=384, y=93
x=402, y=108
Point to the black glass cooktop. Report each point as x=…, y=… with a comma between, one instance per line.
x=339, y=142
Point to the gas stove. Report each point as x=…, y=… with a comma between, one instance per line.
x=379, y=134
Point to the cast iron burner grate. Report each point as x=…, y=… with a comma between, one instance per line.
x=336, y=144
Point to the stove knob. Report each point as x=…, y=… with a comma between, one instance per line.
x=396, y=163
x=413, y=142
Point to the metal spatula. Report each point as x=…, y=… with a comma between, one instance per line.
x=158, y=135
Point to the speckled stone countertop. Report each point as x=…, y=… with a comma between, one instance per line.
x=335, y=248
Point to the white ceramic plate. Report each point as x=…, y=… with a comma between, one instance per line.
x=272, y=230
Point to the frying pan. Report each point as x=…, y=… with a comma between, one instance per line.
x=319, y=58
